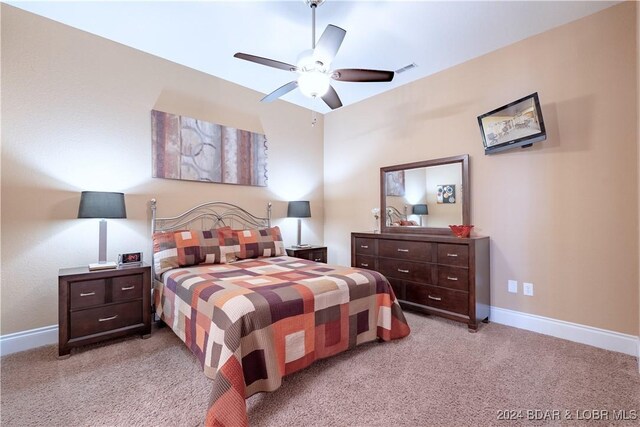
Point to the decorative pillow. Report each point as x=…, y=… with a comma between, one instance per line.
x=205, y=246
x=266, y=242
x=165, y=253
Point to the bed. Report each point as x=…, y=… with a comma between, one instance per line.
x=251, y=314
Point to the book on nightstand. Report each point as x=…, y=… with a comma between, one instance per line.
x=102, y=266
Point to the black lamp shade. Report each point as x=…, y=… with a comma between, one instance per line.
x=420, y=210
x=299, y=209
x=99, y=204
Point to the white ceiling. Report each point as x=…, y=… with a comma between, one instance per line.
x=386, y=35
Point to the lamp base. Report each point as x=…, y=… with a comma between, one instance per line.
x=102, y=266
x=301, y=245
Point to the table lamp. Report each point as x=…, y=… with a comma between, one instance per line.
x=99, y=204
x=420, y=210
x=299, y=209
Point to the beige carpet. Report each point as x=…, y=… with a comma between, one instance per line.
x=439, y=375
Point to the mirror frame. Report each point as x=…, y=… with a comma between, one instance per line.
x=466, y=193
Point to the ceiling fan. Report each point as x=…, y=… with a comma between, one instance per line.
x=314, y=66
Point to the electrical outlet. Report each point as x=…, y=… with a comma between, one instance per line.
x=513, y=286
x=527, y=289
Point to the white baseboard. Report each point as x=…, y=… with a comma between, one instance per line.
x=601, y=338
x=26, y=340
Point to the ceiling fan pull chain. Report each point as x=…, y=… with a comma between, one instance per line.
x=313, y=25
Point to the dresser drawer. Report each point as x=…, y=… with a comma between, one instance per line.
x=86, y=293
x=364, y=261
x=418, y=251
x=453, y=254
x=102, y=319
x=453, y=277
x=444, y=299
x=125, y=288
x=398, y=287
x=365, y=246
x=406, y=270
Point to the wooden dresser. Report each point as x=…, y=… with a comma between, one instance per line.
x=435, y=274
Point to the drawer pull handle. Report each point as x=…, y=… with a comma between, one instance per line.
x=364, y=246
x=104, y=319
x=364, y=264
x=435, y=298
x=88, y=294
x=452, y=278
x=453, y=255
x=128, y=288
x=403, y=271
x=403, y=250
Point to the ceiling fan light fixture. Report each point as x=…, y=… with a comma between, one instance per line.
x=314, y=66
x=314, y=83
x=306, y=61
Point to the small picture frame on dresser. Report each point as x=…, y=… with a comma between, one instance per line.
x=130, y=259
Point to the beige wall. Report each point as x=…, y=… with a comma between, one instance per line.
x=76, y=116
x=562, y=214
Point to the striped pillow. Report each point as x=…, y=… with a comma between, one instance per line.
x=205, y=246
x=266, y=242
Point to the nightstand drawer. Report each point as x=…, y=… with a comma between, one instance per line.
x=312, y=253
x=102, y=319
x=125, y=288
x=319, y=256
x=86, y=293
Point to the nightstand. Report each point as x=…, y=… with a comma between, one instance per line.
x=313, y=253
x=94, y=306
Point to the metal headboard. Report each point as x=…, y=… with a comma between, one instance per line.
x=208, y=216
x=394, y=215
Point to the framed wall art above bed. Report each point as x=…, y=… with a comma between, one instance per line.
x=190, y=149
x=250, y=313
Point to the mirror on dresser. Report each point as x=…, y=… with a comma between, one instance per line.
x=425, y=197
x=429, y=269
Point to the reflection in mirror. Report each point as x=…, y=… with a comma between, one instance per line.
x=425, y=196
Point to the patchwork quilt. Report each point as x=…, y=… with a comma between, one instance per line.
x=252, y=322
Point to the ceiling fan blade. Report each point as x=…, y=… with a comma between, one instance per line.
x=328, y=44
x=332, y=99
x=358, y=75
x=265, y=61
x=280, y=91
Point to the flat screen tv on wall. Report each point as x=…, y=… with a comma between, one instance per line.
x=517, y=124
